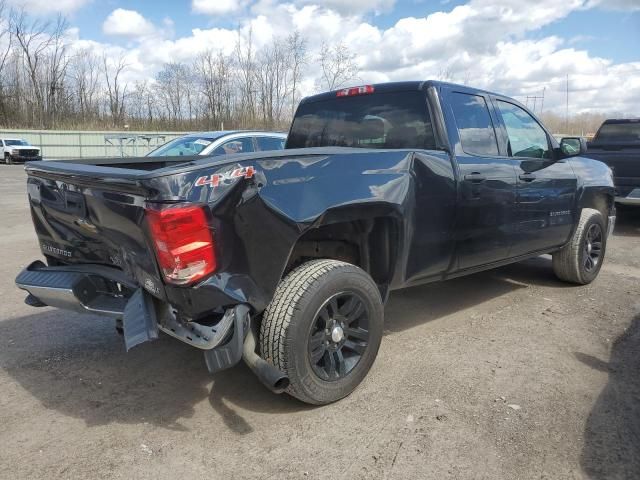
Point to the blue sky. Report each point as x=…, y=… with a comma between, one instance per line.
x=519, y=47
x=611, y=34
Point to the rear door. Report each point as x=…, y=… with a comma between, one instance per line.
x=546, y=188
x=487, y=179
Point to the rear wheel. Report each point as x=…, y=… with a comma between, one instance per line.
x=581, y=259
x=323, y=329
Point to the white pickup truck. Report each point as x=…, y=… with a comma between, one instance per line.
x=16, y=150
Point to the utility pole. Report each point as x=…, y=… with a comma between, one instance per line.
x=566, y=125
x=535, y=99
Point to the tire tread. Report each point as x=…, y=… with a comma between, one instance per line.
x=566, y=262
x=282, y=310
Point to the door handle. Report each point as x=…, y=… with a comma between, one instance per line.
x=475, y=177
x=527, y=177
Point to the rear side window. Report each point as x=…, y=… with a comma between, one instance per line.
x=475, y=127
x=526, y=136
x=377, y=120
x=270, y=143
x=619, y=132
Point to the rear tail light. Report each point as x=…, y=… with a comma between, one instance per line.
x=353, y=91
x=183, y=242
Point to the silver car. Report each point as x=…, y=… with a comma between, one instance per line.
x=221, y=143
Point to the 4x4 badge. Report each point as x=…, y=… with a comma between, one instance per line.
x=215, y=179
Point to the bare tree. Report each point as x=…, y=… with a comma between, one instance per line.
x=246, y=72
x=116, y=91
x=272, y=74
x=215, y=80
x=44, y=55
x=45, y=83
x=445, y=73
x=6, y=43
x=299, y=58
x=172, y=86
x=338, y=65
x=85, y=77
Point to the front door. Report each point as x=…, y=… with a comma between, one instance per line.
x=487, y=193
x=546, y=188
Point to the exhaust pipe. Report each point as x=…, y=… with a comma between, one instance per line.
x=273, y=379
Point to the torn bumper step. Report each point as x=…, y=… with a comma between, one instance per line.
x=107, y=291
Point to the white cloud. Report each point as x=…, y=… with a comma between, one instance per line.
x=44, y=7
x=354, y=7
x=127, y=23
x=484, y=43
x=216, y=7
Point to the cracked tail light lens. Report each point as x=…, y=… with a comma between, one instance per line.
x=183, y=242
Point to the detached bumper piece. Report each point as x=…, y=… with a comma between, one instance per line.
x=92, y=289
x=80, y=290
x=107, y=291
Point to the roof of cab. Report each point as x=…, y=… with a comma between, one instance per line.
x=396, y=87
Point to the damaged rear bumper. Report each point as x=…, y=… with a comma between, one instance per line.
x=107, y=291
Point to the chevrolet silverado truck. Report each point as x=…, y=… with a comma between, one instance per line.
x=617, y=143
x=16, y=150
x=285, y=259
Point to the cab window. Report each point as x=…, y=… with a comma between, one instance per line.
x=377, y=120
x=475, y=127
x=526, y=136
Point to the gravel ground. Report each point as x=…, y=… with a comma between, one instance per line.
x=507, y=374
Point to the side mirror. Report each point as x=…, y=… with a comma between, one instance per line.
x=573, y=146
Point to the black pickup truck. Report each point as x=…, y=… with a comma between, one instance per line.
x=286, y=258
x=617, y=143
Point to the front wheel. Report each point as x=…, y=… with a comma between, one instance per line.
x=323, y=329
x=7, y=159
x=581, y=259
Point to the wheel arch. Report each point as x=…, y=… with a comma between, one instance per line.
x=598, y=198
x=367, y=236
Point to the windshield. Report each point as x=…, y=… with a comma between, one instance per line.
x=14, y=143
x=619, y=132
x=182, y=146
x=378, y=120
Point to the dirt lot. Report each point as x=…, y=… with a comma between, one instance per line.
x=503, y=375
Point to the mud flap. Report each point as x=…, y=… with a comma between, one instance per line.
x=139, y=320
x=229, y=354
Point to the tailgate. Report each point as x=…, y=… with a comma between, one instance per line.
x=80, y=221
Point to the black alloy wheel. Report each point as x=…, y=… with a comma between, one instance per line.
x=339, y=336
x=592, y=247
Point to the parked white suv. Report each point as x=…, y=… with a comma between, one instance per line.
x=16, y=150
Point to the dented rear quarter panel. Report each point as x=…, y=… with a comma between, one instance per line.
x=258, y=220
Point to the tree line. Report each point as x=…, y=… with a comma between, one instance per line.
x=47, y=83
